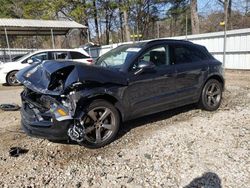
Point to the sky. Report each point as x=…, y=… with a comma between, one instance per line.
x=206, y=6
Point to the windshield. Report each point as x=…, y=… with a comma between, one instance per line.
x=117, y=57
x=23, y=57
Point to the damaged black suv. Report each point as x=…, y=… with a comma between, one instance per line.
x=86, y=103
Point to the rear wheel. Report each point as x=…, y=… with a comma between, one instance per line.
x=101, y=124
x=211, y=95
x=11, y=79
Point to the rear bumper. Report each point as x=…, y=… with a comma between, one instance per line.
x=50, y=128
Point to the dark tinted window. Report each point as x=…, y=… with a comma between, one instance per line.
x=159, y=56
x=59, y=55
x=186, y=54
x=77, y=55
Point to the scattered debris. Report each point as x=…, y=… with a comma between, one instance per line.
x=79, y=184
x=119, y=154
x=90, y=181
x=99, y=158
x=181, y=155
x=148, y=156
x=130, y=180
x=16, y=151
x=9, y=107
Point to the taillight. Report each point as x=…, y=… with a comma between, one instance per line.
x=90, y=61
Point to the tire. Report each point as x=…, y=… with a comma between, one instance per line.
x=101, y=123
x=11, y=79
x=9, y=107
x=211, y=95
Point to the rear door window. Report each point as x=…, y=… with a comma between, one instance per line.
x=59, y=55
x=187, y=54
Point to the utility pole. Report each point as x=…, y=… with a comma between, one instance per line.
x=88, y=35
x=52, y=38
x=7, y=41
x=225, y=32
x=158, y=29
x=186, y=25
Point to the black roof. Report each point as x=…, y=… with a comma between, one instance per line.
x=142, y=44
x=167, y=40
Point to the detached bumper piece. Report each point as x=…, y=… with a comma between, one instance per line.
x=39, y=117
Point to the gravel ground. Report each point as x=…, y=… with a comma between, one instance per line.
x=186, y=147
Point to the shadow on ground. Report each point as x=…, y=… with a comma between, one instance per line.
x=128, y=126
x=207, y=180
x=132, y=124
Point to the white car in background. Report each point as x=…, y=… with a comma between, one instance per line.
x=9, y=70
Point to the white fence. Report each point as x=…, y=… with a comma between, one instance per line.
x=7, y=54
x=237, y=47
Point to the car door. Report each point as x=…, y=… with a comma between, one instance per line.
x=150, y=92
x=190, y=67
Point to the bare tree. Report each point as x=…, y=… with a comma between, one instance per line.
x=127, y=32
x=194, y=17
x=96, y=21
x=121, y=21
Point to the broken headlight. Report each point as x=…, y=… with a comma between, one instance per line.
x=60, y=112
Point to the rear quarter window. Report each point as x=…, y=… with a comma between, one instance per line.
x=77, y=55
x=58, y=55
x=189, y=54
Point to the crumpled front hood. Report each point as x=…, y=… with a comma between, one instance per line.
x=39, y=77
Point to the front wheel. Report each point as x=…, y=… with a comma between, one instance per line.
x=101, y=124
x=11, y=79
x=211, y=95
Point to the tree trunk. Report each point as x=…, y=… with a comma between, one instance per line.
x=121, y=22
x=147, y=20
x=96, y=22
x=171, y=27
x=107, y=27
x=121, y=26
x=228, y=13
x=194, y=17
x=127, y=32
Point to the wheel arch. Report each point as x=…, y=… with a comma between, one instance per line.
x=217, y=77
x=113, y=100
x=9, y=73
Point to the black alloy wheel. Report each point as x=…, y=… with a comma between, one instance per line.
x=211, y=95
x=101, y=124
x=11, y=79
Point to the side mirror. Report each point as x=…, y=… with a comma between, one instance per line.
x=145, y=66
x=29, y=61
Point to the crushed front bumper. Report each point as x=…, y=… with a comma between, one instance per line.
x=43, y=124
